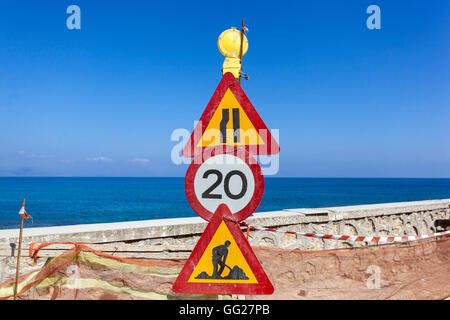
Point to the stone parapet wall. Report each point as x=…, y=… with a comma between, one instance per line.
x=174, y=238
x=406, y=218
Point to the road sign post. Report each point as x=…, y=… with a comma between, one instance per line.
x=224, y=185
x=231, y=124
x=224, y=178
x=223, y=262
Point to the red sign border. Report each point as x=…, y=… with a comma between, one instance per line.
x=241, y=215
x=191, y=150
x=181, y=284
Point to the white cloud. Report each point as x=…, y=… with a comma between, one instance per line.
x=99, y=159
x=140, y=160
x=33, y=155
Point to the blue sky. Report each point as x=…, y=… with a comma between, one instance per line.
x=104, y=100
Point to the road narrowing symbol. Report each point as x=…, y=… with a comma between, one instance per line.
x=223, y=261
x=230, y=120
x=230, y=125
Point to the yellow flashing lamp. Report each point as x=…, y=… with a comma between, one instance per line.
x=229, y=44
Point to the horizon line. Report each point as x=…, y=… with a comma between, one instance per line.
x=277, y=177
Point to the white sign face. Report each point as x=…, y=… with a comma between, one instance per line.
x=224, y=178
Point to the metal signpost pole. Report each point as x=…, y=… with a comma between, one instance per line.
x=18, y=251
x=240, y=50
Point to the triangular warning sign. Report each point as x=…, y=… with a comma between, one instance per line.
x=223, y=262
x=230, y=122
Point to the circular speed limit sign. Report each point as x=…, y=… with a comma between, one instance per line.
x=224, y=178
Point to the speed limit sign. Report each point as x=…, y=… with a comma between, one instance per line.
x=224, y=178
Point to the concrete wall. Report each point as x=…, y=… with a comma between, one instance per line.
x=174, y=238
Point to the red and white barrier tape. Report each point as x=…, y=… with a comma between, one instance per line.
x=372, y=239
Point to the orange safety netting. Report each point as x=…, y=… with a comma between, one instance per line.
x=414, y=270
x=86, y=273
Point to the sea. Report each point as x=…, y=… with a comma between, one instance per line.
x=68, y=201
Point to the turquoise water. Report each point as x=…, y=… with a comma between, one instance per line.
x=65, y=201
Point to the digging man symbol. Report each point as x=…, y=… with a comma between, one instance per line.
x=219, y=257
